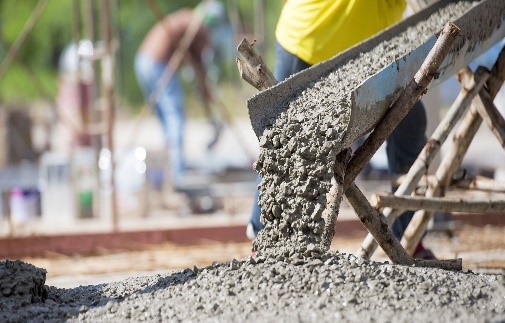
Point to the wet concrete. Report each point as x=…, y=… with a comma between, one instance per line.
x=21, y=285
x=325, y=287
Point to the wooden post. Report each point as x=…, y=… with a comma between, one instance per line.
x=474, y=183
x=453, y=158
x=108, y=92
x=334, y=197
x=449, y=264
x=491, y=116
x=437, y=203
x=471, y=86
x=480, y=183
x=376, y=224
x=252, y=68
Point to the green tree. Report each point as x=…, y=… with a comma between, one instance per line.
x=36, y=61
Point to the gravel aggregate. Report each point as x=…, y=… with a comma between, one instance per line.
x=325, y=287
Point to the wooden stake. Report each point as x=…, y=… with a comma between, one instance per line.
x=480, y=183
x=252, y=68
x=437, y=203
x=334, y=197
x=376, y=224
x=474, y=183
x=491, y=116
x=449, y=264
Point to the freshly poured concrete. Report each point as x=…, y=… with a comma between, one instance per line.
x=329, y=287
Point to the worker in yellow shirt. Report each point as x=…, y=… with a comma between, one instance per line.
x=316, y=30
x=311, y=31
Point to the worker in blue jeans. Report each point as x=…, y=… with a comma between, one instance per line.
x=408, y=139
x=153, y=61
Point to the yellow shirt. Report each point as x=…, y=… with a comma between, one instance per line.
x=316, y=30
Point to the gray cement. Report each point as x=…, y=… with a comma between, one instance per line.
x=297, y=153
x=20, y=285
x=328, y=287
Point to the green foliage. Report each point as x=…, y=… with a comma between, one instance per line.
x=132, y=19
x=40, y=51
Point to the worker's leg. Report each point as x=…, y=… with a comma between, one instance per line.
x=403, y=147
x=255, y=224
x=169, y=109
x=286, y=64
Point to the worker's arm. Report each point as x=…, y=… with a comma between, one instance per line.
x=195, y=54
x=200, y=75
x=196, y=59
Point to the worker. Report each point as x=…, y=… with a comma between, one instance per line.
x=182, y=36
x=311, y=31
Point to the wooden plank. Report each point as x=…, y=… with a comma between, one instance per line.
x=437, y=203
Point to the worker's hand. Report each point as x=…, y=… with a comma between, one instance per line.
x=217, y=126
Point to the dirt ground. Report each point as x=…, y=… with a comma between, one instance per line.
x=482, y=250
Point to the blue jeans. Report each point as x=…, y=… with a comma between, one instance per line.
x=169, y=108
x=403, y=145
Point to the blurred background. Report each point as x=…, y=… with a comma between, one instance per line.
x=83, y=166
x=58, y=129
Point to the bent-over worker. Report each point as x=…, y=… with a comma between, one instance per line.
x=159, y=54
